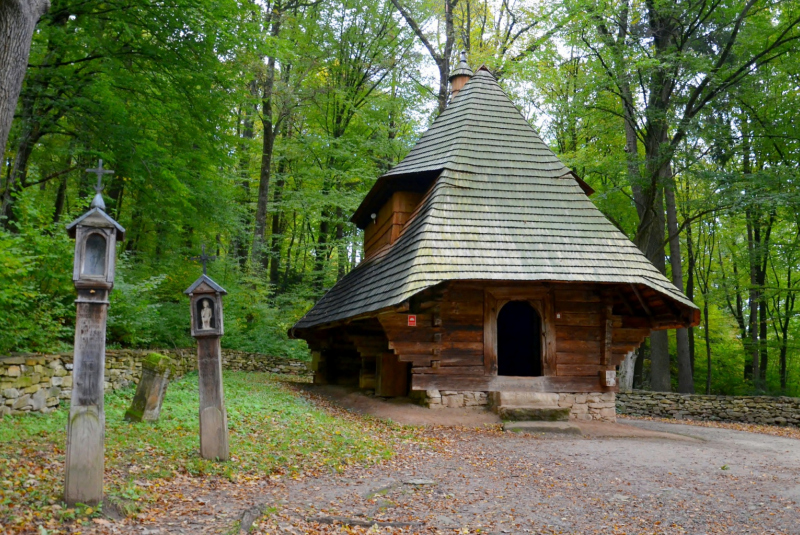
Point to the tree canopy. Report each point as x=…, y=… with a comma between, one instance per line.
x=256, y=128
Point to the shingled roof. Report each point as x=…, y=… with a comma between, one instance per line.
x=503, y=207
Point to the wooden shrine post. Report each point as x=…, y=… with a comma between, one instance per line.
x=205, y=297
x=95, y=235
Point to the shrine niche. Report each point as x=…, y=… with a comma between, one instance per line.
x=206, y=307
x=94, y=256
x=488, y=270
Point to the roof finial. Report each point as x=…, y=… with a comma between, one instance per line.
x=460, y=75
x=98, y=202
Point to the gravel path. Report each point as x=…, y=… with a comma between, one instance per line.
x=725, y=482
x=465, y=480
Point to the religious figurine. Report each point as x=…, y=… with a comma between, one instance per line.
x=206, y=314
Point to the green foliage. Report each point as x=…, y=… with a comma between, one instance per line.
x=221, y=118
x=35, y=289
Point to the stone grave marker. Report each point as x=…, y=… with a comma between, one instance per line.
x=146, y=404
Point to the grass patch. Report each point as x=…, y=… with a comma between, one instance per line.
x=273, y=430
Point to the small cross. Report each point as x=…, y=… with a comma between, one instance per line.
x=100, y=172
x=204, y=258
x=97, y=202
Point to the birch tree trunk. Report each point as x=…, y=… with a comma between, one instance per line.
x=626, y=372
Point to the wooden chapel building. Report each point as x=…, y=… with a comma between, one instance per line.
x=487, y=269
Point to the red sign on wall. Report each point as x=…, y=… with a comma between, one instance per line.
x=412, y=320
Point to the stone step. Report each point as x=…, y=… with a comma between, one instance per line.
x=539, y=414
x=523, y=399
x=562, y=428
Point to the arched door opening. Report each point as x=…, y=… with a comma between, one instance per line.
x=519, y=340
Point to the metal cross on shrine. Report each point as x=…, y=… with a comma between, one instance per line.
x=204, y=258
x=98, y=202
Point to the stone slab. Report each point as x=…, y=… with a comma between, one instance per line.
x=562, y=428
x=540, y=414
x=524, y=399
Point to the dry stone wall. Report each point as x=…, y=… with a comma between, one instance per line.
x=39, y=382
x=749, y=409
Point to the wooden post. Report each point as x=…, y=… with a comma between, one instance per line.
x=86, y=424
x=95, y=235
x=213, y=417
x=205, y=297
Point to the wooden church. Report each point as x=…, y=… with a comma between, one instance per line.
x=487, y=269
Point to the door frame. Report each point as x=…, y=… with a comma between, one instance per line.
x=541, y=299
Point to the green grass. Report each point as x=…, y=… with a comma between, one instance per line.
x=272, y=430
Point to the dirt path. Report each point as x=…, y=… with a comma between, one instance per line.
x=461, y=480
x=402, y=411
x=521, y=484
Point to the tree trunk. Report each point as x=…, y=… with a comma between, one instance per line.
x=18, y=20
x=708, y=343
x=685, y=379
x=260, y=227
x=320, y=252
x=638, y=367
x=626, y=372
x=442, y=59
x=277, y=230
x=240, y=240
x=788, y=308
x=61, y=196
x=762, y=336
x=691, y=257
x=650, y=240
x=753, y=303
x=649, y=236
x=19, y=172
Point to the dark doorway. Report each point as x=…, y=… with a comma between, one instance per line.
x=519, y=343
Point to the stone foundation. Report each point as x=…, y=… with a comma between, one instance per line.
x=589, y=406
x=749, y=409
x=38, y=382
x=599, y=406
x=436, y=399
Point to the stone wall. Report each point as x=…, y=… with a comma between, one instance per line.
x=750, y=409
x=598, y=406
x=38, y=382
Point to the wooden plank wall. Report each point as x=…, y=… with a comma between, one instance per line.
x=445, y=350
x=580, y=329
x=591, y=336
x=390, y=221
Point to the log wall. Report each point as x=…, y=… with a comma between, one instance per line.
x=389, y=221
x=588, y=330
x=446, y=347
